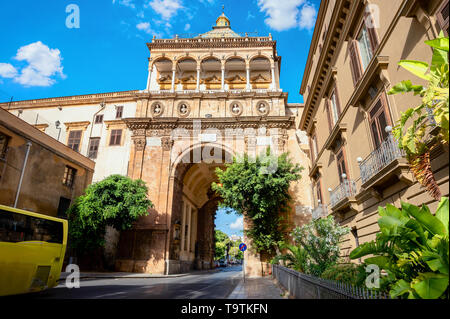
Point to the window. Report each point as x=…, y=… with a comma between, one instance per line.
x=319, y=192
x=74, y=141
x=362, y=48
x=99, y=119
x=4, y=139
x=119, y=112
x=314, y=148
x=116, y=137
x=16, y=227
x=333, y=109
x=379, y=118
x=64, y=204
x=93, y=147
x=69, y=176
x=342, y=165
x=442, y=17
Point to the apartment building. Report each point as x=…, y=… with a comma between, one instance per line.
x=348, y=115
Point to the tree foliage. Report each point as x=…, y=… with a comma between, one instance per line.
x=416, y=133
x=295, y=257
x=116, y=201
x=320, y=239
x=413, y=249
x=251, y=187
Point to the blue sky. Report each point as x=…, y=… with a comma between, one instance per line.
x=41, y=57
x=230, y=224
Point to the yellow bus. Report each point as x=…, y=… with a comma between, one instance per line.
x=32, y=248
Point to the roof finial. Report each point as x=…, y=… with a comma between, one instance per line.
x=223, y=8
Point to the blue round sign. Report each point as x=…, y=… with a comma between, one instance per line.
x=242, y=247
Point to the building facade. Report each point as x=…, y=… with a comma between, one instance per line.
x=27, y=156
x=207, y=99
x=352, y=64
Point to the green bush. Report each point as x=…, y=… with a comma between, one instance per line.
x=412, y=248
x=347, y=273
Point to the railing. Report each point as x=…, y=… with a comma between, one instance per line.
x=380, y=158
x=346, y=189
x=213, y=91
x=302, y=286
x=320, y=211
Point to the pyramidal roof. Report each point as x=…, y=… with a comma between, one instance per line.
x=221, y=29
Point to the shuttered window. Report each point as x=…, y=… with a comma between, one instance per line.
x=442, y=17
x=319, y=192
x=342, y=165
x=379, y=118
x=74, y=140
x=355, y=64
x=119, y=112
x=116, y=137
x=314, y=147
x=93, y=147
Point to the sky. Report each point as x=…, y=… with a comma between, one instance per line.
x=47, y=51
x=230, y=224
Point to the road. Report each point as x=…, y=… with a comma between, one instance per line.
x=212, y=285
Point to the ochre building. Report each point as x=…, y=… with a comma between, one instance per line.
x=352, y=64
x=207, y=99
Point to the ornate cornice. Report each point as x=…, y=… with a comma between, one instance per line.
x=247, y=42
x=77, y=125
x=166, y=125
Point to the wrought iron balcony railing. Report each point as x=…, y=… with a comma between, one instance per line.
x=346, y=189
x=319, y=211
x=380, y=158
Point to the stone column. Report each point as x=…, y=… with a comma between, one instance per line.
x=248, y=78
x=188, y=218
x=223, y=77
x=198, y=78
x=150, y=70
x=183, y=225
x=173, y=79
x=273, y=78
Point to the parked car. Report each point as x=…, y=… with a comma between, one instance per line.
x=222, y=263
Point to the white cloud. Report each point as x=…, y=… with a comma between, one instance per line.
x=126, y=3
x=307, y=17
x=145, y=27
x=43, y=64
x=238, y=223
x=166, y=8
x=187, y=27
x=286, y=14
x=7, y=71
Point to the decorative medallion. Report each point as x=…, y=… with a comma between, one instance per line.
x=157, y=109
x=236, y=108
x=262, y=108
x=183, y=109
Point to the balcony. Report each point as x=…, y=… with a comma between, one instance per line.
x=342, y=194
x=319, y=211
x=384, y=165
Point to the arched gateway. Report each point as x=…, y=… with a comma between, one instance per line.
x=208, y=99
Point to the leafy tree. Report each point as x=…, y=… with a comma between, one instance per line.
x=116, y=201
x=221, y=241
x=413, y=249
x=423, y=135
x=320, y=239
x=250, y=187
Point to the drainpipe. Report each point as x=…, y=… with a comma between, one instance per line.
x=22, y=173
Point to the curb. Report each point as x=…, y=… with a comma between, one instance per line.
x=136, y=276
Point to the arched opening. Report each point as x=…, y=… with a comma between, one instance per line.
x=229, y=231
x=260, y=73
x=194, y=207
x=187, y=73
x=236, y=74
x=164, y=73
x=211, y=70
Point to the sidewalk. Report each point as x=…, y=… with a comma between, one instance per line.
x=257, y=288
x=128, y=275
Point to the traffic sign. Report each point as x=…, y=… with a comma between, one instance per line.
x=242, y=247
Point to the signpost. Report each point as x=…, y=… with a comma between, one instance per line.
x=243, y=248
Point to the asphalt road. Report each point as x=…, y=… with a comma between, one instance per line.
x=212, y=285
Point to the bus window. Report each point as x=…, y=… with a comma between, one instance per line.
x=16, y=227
